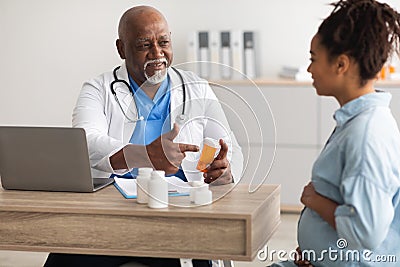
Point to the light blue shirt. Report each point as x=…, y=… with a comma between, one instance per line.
x=359, y=169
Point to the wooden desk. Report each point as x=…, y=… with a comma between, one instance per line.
x=234, y=227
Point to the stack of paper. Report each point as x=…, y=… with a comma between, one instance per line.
x=295, y=73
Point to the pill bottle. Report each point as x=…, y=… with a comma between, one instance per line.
x=142, y=185
x=194, y=186
x=158, y=190
x=203, y=195
x=210, y=146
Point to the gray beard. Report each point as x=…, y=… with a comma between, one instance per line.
x=158, y=76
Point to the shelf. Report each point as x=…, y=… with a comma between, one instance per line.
x=287, y=82
x=261, y=82
x=388, y=83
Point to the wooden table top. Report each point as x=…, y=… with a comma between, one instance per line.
x=237, y=221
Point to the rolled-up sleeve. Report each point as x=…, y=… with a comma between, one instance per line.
x=368, y=184
x=365, y=219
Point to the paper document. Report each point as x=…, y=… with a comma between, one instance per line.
x=176, y=187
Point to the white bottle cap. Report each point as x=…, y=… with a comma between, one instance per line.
x=204, y=187
x=157, y=174
x=144, y=171
x=196, y=183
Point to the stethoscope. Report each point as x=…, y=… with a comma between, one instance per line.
x=180, y=119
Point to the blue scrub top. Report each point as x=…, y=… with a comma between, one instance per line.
x=156, y=117
x=154, y=111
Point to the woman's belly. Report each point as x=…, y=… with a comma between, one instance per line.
x=318, y=240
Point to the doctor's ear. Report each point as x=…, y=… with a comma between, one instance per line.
x=120, y=48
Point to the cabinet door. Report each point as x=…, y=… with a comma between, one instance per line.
x=248, y=114
x=258, y=163
x=395, y=103
x=295, y=112
x=289, y=167
x=261, y=115
x=326, y=108
x=292, y=170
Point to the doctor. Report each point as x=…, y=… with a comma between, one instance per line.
x=147, y=114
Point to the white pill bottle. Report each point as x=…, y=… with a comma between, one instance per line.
x=142, y=188
x=158, y=190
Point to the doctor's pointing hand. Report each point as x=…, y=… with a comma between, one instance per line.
x=167, y=155
x=161, y=154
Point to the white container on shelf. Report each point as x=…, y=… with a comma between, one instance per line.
x=142, y=182
x=158, y=190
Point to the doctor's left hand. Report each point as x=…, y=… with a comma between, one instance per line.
x=219, y=171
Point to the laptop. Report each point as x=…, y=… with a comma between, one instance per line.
x=46, y=159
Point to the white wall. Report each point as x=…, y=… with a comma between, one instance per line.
x=49, y=47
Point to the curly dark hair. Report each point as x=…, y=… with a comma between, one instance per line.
x=365, y=30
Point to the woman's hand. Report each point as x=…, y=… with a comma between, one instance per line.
x=299, y=260
x=309, y=195
x=324, y=206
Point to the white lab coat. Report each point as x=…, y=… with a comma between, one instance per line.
x=108, y=130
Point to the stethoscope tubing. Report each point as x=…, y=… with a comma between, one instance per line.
x=116, y=80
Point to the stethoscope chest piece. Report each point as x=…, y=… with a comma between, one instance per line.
x=181, y=119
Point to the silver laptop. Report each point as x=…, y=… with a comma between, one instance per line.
x=46, y=159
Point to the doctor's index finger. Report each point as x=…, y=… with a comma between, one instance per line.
x=188, y=148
